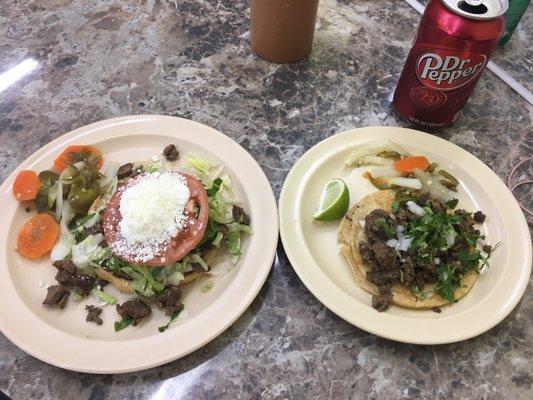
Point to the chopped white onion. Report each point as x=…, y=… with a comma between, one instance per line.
x=362, y=223
x=110, y=174
x=79, y=165
x=392, y=243
x=373, y=148
x=385, y=172
x=436, y=261
x=373, y=160
x=405, y=243
x=406, y=182
x=415, y=208
x=399, y=228
x=450, y=237
x=64, y=245
x=96, y=217
x=433, y=186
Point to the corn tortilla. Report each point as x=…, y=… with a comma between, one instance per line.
x=351, y=233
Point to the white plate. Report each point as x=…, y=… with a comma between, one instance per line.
x=312, y=248
x=62, y=337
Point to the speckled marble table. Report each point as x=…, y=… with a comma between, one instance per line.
x=190, y=58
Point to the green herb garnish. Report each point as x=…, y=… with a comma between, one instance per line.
x=389, y=231
x=163, y=328
x=451, y=204
x=448, y=283
x=213, y=190
x=123, y=323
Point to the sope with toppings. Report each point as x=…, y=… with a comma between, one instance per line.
x=146, y=228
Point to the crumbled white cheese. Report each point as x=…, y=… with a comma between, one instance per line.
x=155, y=158
x=152, y=213
x=41, y=283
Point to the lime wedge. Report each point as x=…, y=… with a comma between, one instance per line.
x=334, y=201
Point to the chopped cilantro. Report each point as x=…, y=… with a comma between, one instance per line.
x=448, y=282
x=389, y=231
x=451, y=204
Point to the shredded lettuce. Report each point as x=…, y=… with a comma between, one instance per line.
x=195, y=258
x=234, y=243
x=92, y=219
x=143, y=281
x=199, y=165
x=103, y=296
x=123, y=323
x=219, y=209
x=88, y=251
x=172, y=274
x=218, y=239
x=233, y=240
x=153, y=167
x=208, y=286
x=63, y=247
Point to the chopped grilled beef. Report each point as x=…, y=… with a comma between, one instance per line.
x=367, y=254
x=93, y=230
x=125, y=171
x=479, y=217
x=382, y=302
x=408, y=269
x=168, y=300
x=385, y=255
x=383, y=277
x=136, y=310
x=171, y=153
x=240, y=216
x=487, y=248
x=101, y=282
x=437, y=206
x=57, y=296
x=120, y=274
x=93, y=315
x=197, y=267
x=424, y=276
x=374, y=229
x=67, y=275
x=137, y=170
x=404, y=216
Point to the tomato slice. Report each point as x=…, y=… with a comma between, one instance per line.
x=181, y=245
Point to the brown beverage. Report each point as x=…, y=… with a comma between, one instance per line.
x=282, y=30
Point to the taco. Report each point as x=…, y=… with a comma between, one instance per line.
x=411, y=250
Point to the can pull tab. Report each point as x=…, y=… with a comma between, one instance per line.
x=473, y=6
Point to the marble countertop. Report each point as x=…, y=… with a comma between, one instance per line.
x=191, y=58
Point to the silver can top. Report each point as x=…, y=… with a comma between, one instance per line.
x=478, y=9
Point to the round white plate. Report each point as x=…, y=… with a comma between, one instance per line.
x=314, y=254
x=62, y=337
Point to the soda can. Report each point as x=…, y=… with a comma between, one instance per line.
x=514, y=14
x=453, y=45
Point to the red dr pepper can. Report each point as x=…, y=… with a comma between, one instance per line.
x=452, y=47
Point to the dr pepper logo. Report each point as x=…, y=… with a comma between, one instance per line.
x=448, y=69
